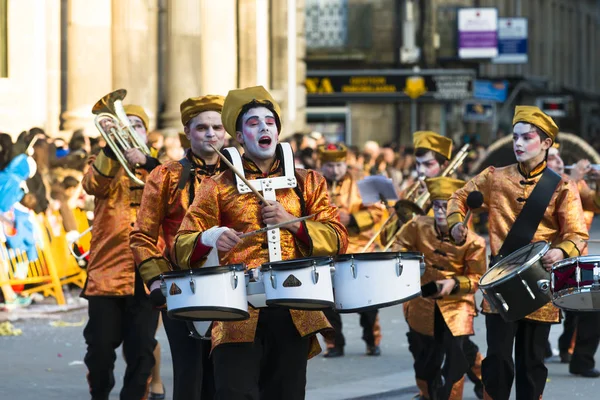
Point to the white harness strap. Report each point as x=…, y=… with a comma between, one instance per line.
x=268, y=187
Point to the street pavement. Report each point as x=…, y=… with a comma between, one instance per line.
x=46, y=360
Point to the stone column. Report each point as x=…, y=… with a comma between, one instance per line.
x=53, y=69
x=135, y=52
x=89, y=61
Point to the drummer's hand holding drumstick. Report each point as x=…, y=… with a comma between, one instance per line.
x=552, y=256
x=459, y=231
x=273, y=213
x=344, y=218
x=446, y=287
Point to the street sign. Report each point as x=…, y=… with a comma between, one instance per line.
x=554, y=106
x=477, y=32
x=490, y=90
x=512, y=41
x=479, y=111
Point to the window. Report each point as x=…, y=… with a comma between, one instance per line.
x=326, y=23
x=3, y=38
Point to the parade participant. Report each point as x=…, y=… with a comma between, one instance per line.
x=444, y=321
x=167, y=195
x=583, y=326
x=266, y=355
x=505, y=192
x=359, y=221
x=118, y=308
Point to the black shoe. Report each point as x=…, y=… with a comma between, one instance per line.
x=589, y=373
x=565, y=357
x=334, y=352
x=373, y=351
x=478, y=389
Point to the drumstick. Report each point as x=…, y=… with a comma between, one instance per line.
x=242, y=177
x=474, y=201
x=593, y=241
x=268, y=228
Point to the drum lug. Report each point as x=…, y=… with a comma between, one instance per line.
x=596, y=275
x=399, y=267
x=315, y=274
x=192, y=285
x=504, y=304
x=543, y=285
x=528, y=288
x=163, y=287
x=273, y=279
x=422, y=266
x=234, y=280
x=353, y=268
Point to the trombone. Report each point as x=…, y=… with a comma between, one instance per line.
x=115, y=127
x=406, y=208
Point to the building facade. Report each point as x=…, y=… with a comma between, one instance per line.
x=58, y=57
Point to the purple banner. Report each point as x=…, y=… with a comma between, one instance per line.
x=477, y=39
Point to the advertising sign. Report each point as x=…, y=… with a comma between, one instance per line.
x=477, y=32
x=512, y=41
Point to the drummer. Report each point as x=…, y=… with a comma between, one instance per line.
x=584, y=326
x=444, y=321
x=273, y=345
x=168, y=192
x=359, y=220
x=505, y=190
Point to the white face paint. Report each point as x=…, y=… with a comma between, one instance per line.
x=439, y=214
x=138, y=126
x=555, y=162
x=204, y=130
x=259, y=134
x=334, y=171
x=428, y=166
x=527, y=143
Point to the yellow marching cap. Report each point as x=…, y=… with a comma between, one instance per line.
x=238, y=98
x=434, y=142
x=534, y=116
x=442, y=187
x=332, y=152
x=195, y=105
x=138, y=111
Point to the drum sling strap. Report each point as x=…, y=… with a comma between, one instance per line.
x=530, y=216
x=186, y=174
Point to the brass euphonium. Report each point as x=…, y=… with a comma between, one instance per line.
x=405, y=209
x=114, y=126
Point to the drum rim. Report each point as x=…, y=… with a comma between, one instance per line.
x=204, y=271
x=378, y=306
x=241, y=315
x=522, y=268
x=326, y=304
x=296, y=263
x=408, y=255
x=573, y=260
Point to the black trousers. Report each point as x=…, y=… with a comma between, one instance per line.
x=441, y=360
x=367, y=322
x=273, y=367
x=192, y=369
x=113, y=321
x=529, y=340
x=587, y=338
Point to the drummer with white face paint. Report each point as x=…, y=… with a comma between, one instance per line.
x=506, y=192
x=273, y=345
x=444, y=319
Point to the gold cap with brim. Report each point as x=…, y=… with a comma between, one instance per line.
x=138, y=111
x=332, y=152
x=534, y=116
x=238, y=98
x=195, y=105
x=442, y=187
x=434, y=142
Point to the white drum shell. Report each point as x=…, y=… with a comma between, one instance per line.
x=308, y=296
x=214, y=298
x=376, y=284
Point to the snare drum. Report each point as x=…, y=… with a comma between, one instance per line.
x=302, y=284
x=518, y=284
x=576, y=283
x=206, y=294
x=375, y=280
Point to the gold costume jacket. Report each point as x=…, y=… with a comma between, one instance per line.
x=218, y=203
x=505, y=191
x=111, y=270
x=443, y=260
x=346, y=196
x=164, y=205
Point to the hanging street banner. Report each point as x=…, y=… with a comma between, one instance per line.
x=477, y=33
x=389, y=85
x=512, y=41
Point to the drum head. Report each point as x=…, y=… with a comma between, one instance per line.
x=514, y=263
x=409, y=255
x=297, y=263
